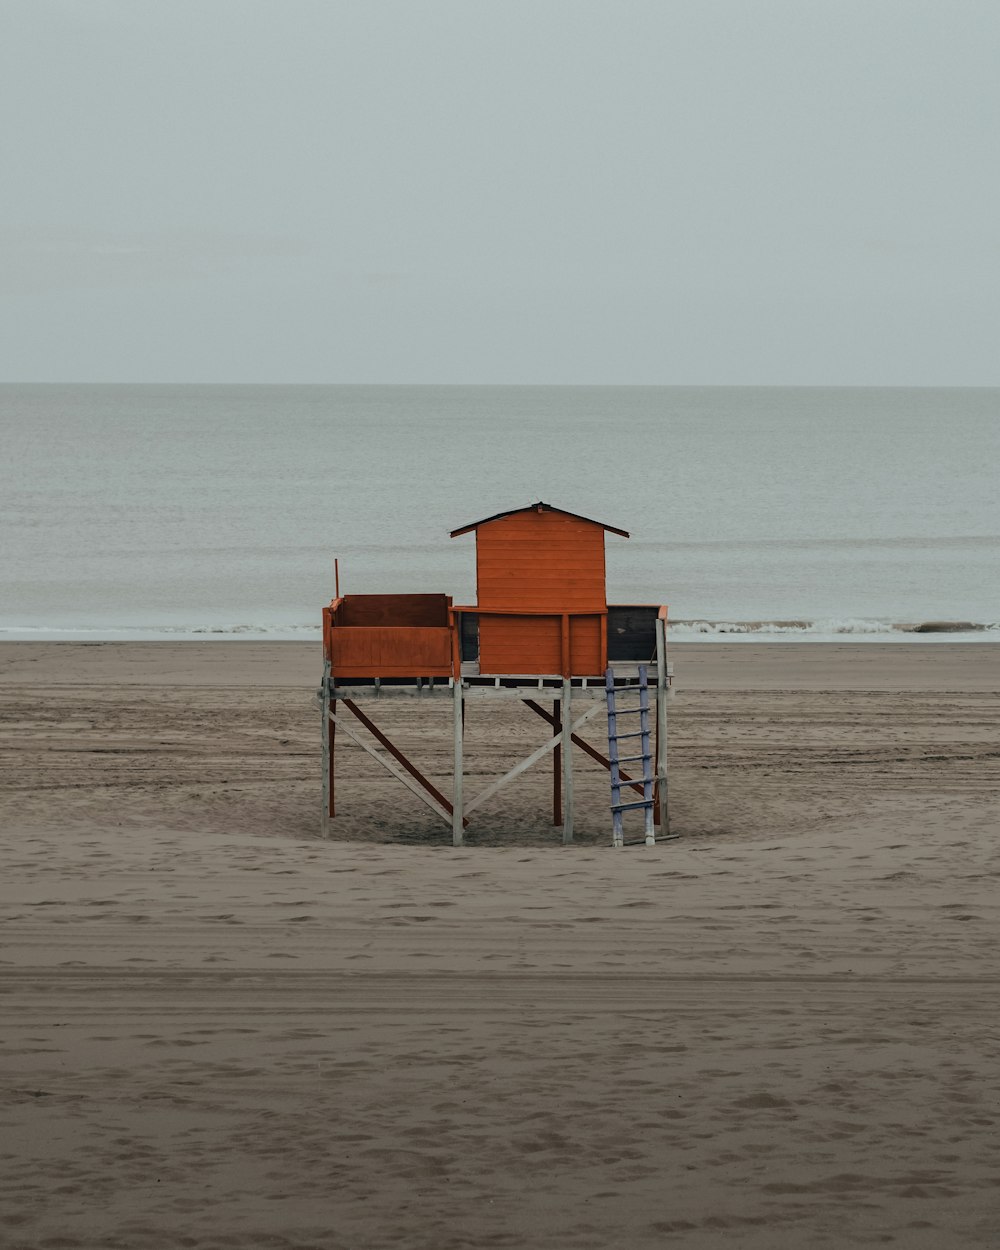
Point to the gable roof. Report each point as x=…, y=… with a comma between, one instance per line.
x=537, y=507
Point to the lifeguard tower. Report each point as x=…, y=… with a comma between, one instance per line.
x=541, y=631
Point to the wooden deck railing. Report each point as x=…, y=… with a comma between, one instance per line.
x=543, y=642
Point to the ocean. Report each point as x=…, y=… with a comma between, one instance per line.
x=758, y=513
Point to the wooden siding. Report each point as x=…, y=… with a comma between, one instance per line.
x=520, y=644
x=586, y=655
x=540, y=562
x=386, y=651
x=533, y=644
x=544, y=561
x=421, y=610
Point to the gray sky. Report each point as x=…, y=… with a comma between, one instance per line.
x=671, y=191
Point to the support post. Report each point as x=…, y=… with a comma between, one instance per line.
x=556, y=767
x=648, y=790
x=324, y=695
x=617, y=826
x=567, y=761
x=661, y=725
x=457, y=801
x=331, y=806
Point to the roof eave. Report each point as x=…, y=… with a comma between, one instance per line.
x=540, y=506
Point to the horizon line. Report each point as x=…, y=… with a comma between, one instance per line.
x=770, y=386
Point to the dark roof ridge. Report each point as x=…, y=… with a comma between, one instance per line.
x=540, y=506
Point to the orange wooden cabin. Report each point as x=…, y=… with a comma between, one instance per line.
x=542, y=602
x=542, y=610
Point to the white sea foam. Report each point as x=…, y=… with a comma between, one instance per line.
x=159, y=633
x=831, y=630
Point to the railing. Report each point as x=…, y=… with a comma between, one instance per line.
x=551, y=643
x=386, y=650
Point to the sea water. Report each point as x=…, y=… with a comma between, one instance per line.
x=217, y=511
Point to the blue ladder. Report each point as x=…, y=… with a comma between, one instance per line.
x=616, y=760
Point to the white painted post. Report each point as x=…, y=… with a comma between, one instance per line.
x=661, y=725
x=647, y=780
x=567, y=761
x=325, y=706
x=617, y=825
x=457, y=800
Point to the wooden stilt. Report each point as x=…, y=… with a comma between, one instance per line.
x=617, y=823
x=661, y=726
x=331, y=723
x=556, y=765
x=647, y=785
x=567, y=760
x=656, y=755
x=457, y=812
x=324, y=696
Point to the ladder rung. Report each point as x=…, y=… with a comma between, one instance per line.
x=631, y=759
x=627, y=807
x=628, y=711
x=639, y=733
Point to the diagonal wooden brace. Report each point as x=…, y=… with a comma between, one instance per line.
x=533, y=758
x=584, y=746
x=415, y=782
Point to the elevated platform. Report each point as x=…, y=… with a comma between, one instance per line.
x=553, y=697
x=548, y=646
x=478, y=685
x=379, y=641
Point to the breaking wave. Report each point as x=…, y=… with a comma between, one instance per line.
x=695, y=630
x=834, y=630
x=157, y=633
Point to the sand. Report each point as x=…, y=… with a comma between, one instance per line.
x=779, y=1031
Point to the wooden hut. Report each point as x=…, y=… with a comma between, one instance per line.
x=541, y=594
x=540, y=632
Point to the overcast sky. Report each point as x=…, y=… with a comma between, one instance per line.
x=617, y=191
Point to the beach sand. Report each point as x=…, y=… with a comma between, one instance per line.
x=218, y=1030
